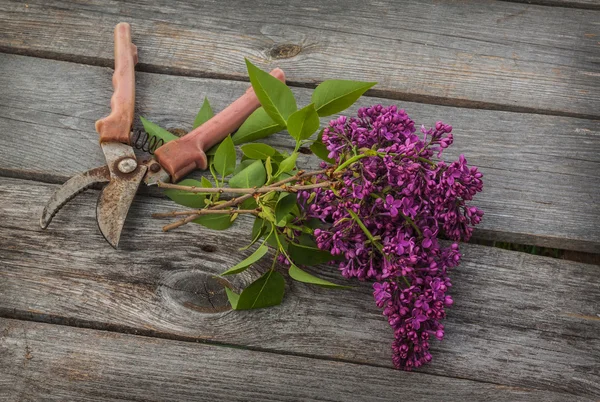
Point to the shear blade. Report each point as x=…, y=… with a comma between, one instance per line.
x=114, y=202
x=70, y=189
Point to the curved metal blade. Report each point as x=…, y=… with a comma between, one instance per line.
x=70, y=189
x=114, y=202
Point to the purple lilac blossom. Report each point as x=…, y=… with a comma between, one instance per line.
x=407, y=198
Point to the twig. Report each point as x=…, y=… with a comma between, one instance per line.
x=206, y=212
x=236, y=201
x=254, y=190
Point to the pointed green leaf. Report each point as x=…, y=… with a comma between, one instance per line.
x=233, y=297
x=252, y=258
x=257, y=126
x=258, y=151
x=225, y=157
x=185, y=198
x=334, y=96
x=252, y=176
x=204, y=114
x=303, y=123
x=303, y=276
x=284, y=205
x=266, y=291
x=288, y=164
x=275, y=97
x=305, y=255
x=156, y=131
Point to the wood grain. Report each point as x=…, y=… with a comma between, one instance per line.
x=519, y=320
x=482, y=54
x=58, y=363
x=542, y=173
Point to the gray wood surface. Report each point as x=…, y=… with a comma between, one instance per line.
x=484, y=54
x=542, y=173
x=519, y=320
x=59, y=363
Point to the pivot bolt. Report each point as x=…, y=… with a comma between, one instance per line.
x=127, y=165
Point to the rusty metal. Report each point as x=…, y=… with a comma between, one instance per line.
x=70, y=189
x=114, y=202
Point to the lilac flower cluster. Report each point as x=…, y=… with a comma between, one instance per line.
x=391, y=200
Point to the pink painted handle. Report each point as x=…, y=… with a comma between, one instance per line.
x=181, y=156
x=117, y=125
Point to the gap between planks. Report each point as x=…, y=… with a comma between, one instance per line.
x=581, y=4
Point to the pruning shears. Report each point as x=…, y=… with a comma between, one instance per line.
x=123, y=171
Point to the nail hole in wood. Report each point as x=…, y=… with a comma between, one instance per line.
x=208, y=248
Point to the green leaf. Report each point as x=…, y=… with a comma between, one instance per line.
x=206, y=183
x=250, y=203
x=242, y=165
x=275, y=97
x=258, y=151
x=233, y=297
x=204, y=114
x=256, y=234
x=257, y=226
x=257, y=126
x=285, y=204
x=225, y=157
x=252, y=258
x=156, y=131
x=185, y=198
x=269, y=168
x=252, y=176
x=303, y=123
x=266, y=291
x=319, y=149
x=288, y=164
x=303, y=276
x=215, y=221
x=306, y=255
x=334, y=96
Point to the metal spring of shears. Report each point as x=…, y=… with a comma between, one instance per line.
x=141, y=140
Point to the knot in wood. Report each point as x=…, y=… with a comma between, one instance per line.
x=284, y=51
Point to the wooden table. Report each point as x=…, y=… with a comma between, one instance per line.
x=519, y=82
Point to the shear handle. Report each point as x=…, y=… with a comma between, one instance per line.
x=117, y=125
x=181, y=156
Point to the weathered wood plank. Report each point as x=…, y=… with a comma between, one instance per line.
x=542, y=173
x=487, y=54
x=519, y=320
x=51, y=362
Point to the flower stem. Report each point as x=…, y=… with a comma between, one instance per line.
x=365, y=230
x=412, y=223
x=350, y=161
x=206, y=212
x=236, y=201
x=253, y=190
